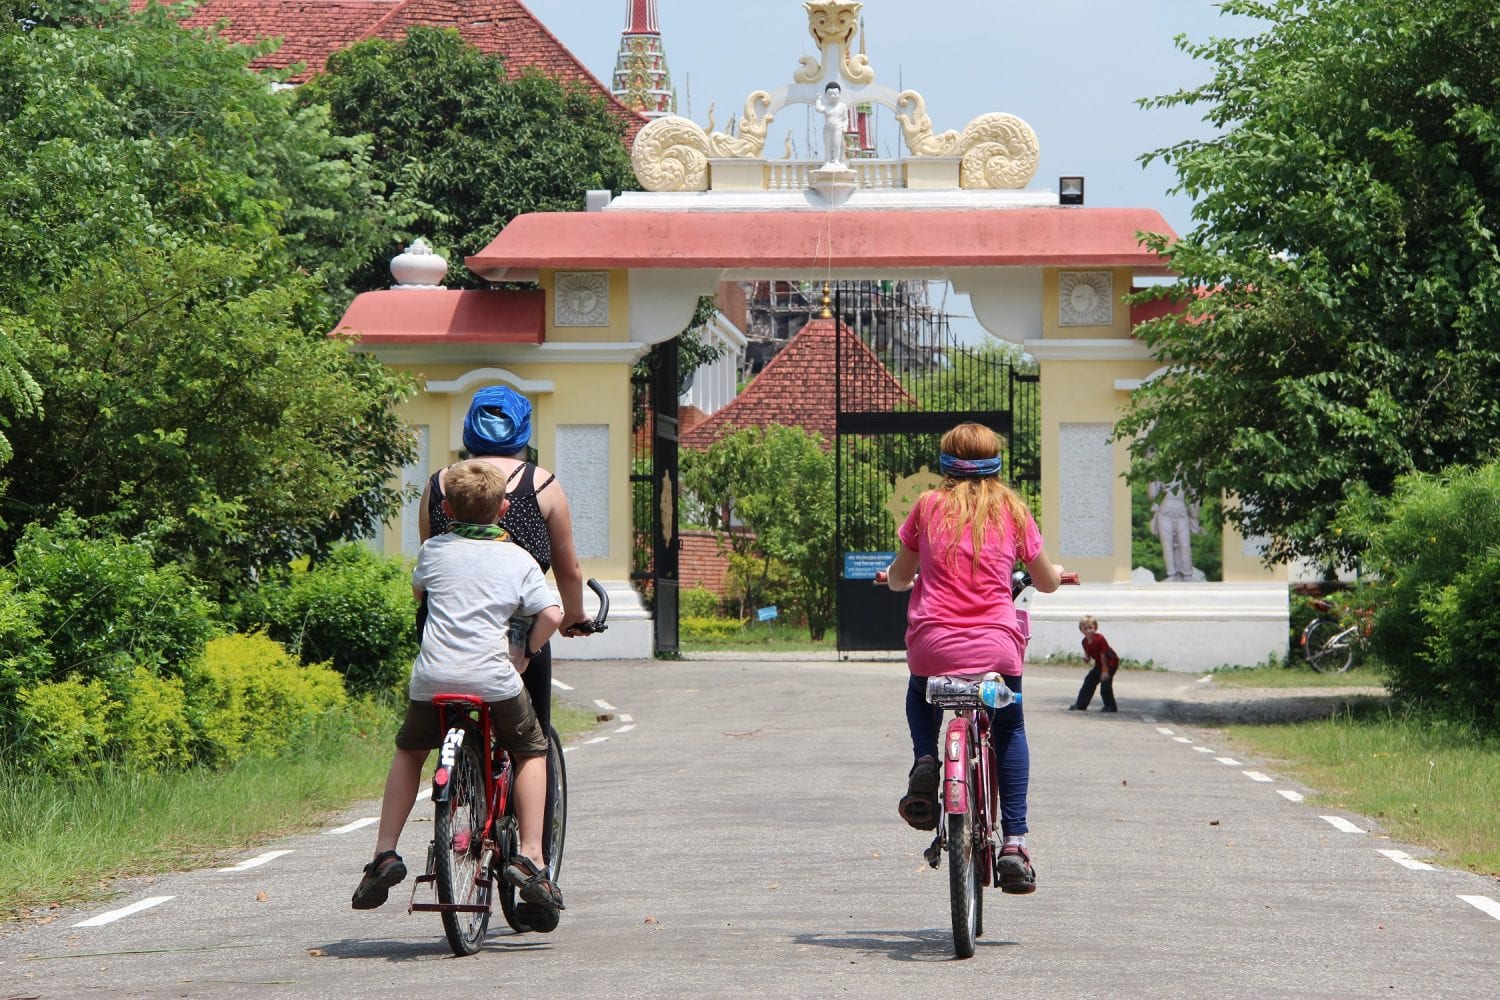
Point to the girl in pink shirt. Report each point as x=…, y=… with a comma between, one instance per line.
x=959, y=546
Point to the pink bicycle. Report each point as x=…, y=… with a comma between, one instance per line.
x=970, y=790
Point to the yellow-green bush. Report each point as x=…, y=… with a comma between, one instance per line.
x=65, y=725
x=248, y=696
x=695, y=627
x=150, y=732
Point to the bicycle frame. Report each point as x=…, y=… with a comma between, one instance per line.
x=496, y=782
x=968, y=781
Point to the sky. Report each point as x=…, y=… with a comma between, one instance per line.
x=1072, y=69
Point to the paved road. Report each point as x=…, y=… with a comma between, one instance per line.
x=734, y=835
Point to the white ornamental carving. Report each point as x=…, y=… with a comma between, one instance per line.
x=581, y=298
x=1085, y=298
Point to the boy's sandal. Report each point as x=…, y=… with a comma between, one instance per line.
x=385, y=871
x=533, y=884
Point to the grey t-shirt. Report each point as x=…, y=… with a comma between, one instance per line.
x=473, y=587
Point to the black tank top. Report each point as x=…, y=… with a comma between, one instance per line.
x=524, y=519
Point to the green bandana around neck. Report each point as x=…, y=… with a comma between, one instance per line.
x=480, y=531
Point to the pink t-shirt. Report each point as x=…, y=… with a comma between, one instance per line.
x=960, y=622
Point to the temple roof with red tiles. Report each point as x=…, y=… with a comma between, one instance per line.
x=312, y=30
x=797, y=388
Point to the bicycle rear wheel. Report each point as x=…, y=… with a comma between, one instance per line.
x=1328, y=646
x=557, y=803
x=963, y=883
x=458, y=836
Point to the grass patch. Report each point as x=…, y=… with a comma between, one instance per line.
x=65, y=840
x=1299, y=675
x=1429, y=782
x=756, y=636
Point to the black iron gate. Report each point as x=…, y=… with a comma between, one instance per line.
x=903, y=380
x=654, y=491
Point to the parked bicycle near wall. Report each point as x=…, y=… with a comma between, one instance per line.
x=1329, y=642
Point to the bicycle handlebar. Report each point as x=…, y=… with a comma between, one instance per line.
x=597, y=624
x=1019, y=580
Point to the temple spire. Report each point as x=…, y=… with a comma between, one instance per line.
x=642, y=81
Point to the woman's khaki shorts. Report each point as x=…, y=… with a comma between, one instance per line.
x=514, y=720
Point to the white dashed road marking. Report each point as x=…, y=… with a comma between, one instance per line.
x=125, y=911
x=626, y=718
x=1484, y=903
x=560, y=685
x=1164, y=730
x=1181, y=739
x=1407, y=861
x=625, y=729
x=1289, y=795
x=1255, y=776
x=1341, y=824
x=1228, y=761
x=596, y=739
x=1203, y=749
x=1205, y=680
x=351, y=827
x=255, y=862
x=425, y=793
x=604, y=704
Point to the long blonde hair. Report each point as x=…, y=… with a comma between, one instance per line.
x=973, y=504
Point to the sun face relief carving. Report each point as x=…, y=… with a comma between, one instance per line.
x=581, y=298
x=1085, y=298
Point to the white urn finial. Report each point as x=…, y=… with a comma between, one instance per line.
x=419, y=267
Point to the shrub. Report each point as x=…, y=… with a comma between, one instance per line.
x=354, y=611
x=65, y=725
x=1432, y=544
x=698, y=602
x=109, y=608
x=24, y=657
x=150, y=731
x=703, y=628
x=249, y=697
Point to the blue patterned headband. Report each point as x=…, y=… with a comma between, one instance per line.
x=969, y=468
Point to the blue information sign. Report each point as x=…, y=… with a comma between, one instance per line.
x=863, y=565
x=765, y=614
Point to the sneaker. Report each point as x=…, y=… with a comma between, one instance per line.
x=1013, y=871
x=919, y=805
x=1077, y=708
x=1109, y=708
x=385, y=871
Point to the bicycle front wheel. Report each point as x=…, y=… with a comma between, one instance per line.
x=1328, y=646
x=963, y=884
x=458, y=835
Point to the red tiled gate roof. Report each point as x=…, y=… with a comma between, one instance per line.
x=312, y=30
x=797, y=387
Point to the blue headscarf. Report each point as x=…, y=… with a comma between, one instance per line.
x=968, y=468
x=499, y=422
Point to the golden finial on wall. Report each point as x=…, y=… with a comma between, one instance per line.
x=827, y=312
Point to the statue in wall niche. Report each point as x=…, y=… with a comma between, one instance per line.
x=1174, y=519
x=835, y=121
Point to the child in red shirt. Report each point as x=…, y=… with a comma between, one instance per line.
x=1105, y=662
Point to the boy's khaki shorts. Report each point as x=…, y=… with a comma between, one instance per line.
x=514, y=720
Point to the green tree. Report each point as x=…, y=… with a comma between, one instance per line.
x=778, y=483
x=1343, y=278
x=169, y=300
x=462, y=146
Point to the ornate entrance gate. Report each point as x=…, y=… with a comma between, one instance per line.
x=903, y=380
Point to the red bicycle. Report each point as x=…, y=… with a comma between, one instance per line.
x=475, y=834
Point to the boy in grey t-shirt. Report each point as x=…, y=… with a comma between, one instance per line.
x=475, y=580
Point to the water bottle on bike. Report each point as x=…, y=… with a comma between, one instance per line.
x=964, y=692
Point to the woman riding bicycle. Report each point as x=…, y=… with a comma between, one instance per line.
x=959, y=547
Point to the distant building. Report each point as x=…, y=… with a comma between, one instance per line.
x=642, y=82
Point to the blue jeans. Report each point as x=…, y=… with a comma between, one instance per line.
x=1007, y=737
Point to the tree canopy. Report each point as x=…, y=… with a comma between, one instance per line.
x=461, y=148
x=1342, y=280
x=173, y=245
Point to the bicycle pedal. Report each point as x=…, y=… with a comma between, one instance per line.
x=934, y=852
